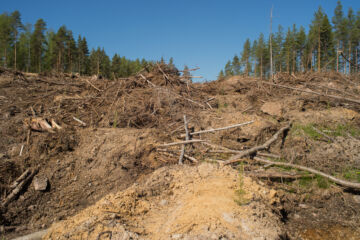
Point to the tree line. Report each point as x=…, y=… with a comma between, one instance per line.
x=34, y=48
x=328, y=45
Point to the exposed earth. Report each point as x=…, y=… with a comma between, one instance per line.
x=95, y=146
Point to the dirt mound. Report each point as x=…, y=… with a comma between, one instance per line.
x=180, y=202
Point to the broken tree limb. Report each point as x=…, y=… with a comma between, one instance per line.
x=187, y=138
x=275, y=175
x=219, y=129
x=18, y=188
x=172, y=153
x=313, y=92
x=324, y=135
x=173, y=93
x=182, y=142
x=79, y=121
x=333, y=179
x=92, y=85
x=253, y=150
x=20, y=179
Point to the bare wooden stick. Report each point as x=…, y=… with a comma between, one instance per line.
x=264, y=146
x=182, y=142
x=21, y=150
x=217, y=146
x=18, y=189
x=219, y=129
x=268, y=155
x=172, y=153
x=276, y=175
x=334, y=179
x=79, y=121
x=20, y=179
x=92, y=85
x=187, y=138
x=323, y=134
x=316, y=93
x=166, y=76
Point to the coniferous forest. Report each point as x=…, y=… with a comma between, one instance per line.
x=329, y=44
x=34, y=48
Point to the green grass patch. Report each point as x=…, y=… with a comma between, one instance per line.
x=334, y=130
x=352, y=175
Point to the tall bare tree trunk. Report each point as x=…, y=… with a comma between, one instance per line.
x=15, y=52
x=319, y=53
x=349, y=57
x=5, y=62
x=337, y=56
x=261, y=67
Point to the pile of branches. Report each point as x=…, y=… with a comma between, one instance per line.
x=148, y=99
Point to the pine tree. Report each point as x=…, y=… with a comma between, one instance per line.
x=339, y=29
x=277, y=49
x=315, y=34
x=60, y=39
x=50, y=59
x=260, y=54
x=245, y=57
x=221, y=75
x=253, y=56
x=5, y=37
x=16, y=26
x=236, y=65
x=352, y=36
x=327, y=42
x=83, y=56
x=228, y=69
x=300, y=47
x=37, y=45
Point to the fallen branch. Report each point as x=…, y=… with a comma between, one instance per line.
x=172, y=153
x=253, y=150
x=323, y=134
x=316, y=93
x=334, y=179
x=187, y=138
x=79, y=121
x=173, y=93
x=33, y=236
x=92, y=85
x=274, y=175
x=20, y=179
x=219, y=129
x=18, y=189
x=182, y=142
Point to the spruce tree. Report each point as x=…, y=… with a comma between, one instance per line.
x=245, y=57
x=37, y=45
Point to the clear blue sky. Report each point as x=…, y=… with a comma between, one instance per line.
x=204, y=33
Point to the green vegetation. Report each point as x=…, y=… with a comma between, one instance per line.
x=37, y=49
x=331, y=130
x=295, y=50
x=240, y=192
x=352, y=174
